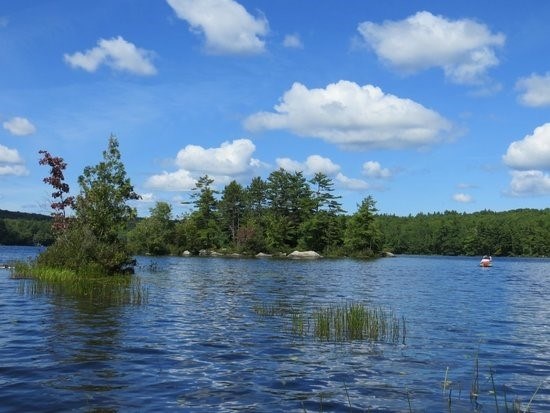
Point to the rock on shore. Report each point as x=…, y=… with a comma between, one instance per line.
x=304, y=254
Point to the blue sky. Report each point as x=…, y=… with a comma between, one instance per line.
x=425, y=105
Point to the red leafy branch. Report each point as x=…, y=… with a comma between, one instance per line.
x=61, y=199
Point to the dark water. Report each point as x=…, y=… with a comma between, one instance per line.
x=198, y=345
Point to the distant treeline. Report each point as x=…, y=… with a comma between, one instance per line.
x=521, y=232
x=21, y=228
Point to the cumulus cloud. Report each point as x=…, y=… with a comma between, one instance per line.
x=316, y=163
x=462, y=198
x=17, y=170
x=312, y=165
x=231, y=158
x=353, y=117
x=535, y=90
x=8, y=155
x=373, y=169
x=180, y=180
x=226, y=25
x=532, y=152
x=352, y=183
x=11, y=163
x=529, y=183
x=146, y=198
x=293, y=41
x=19, y=126
x=464, y=49
x=116, y=53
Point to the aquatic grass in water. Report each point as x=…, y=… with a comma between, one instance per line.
x=116, y=290
x=486, y=390
x=355, y=321
x=347, y=322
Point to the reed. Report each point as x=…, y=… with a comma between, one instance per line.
x=340, y=323
x=114, y=290
x=479, y=390
x=355, y=321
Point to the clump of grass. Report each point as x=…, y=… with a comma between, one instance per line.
x=347, y=322
x=355, y=321
x=95, y=287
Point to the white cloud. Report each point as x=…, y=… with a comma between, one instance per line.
x=463, y=48
x=19, y=126
x=147, y=197
x=352, y=183
x=180, y=180
x=227, y=27
x=532, y=152
x=462, y=198
x=317, y=163
x=11, y=163
x=231, y=158
x=529, y=183
x=290, y=165
x=312, y=165
x=293, y=41
x=116, y=53
x=353, y=116
x=17, y=170
x=536, y=90
x=373, y=169
x=8, y=155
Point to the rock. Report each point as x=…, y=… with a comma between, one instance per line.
x=304, y=254
x=263, y=255
x=388, y=254
x=186, y=253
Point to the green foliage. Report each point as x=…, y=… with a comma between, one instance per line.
x=155, y=234
x=232, y=208
x=41, y=280
x=522, y=232
x=362, y=236
x=25, y=232
x=94, y=241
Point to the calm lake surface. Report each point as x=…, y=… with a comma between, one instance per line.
x=198, y=344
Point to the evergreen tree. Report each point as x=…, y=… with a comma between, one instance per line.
x=232, y=207
x=205, y=217
x=94, y=240
x=362, y=236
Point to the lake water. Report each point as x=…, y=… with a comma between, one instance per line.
x=198, y=344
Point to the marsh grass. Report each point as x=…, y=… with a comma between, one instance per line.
x=355, y=321
x=113, y=290
x=482, y=391
x=340, y=323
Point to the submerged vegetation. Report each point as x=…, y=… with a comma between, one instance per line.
x=340, y=323
x=104, y=290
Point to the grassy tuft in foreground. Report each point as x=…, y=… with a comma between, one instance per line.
x=339, y=323
x=93, y=287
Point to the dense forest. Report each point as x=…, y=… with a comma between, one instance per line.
x=20, y=228
x=287, y=212
x=521, y=232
